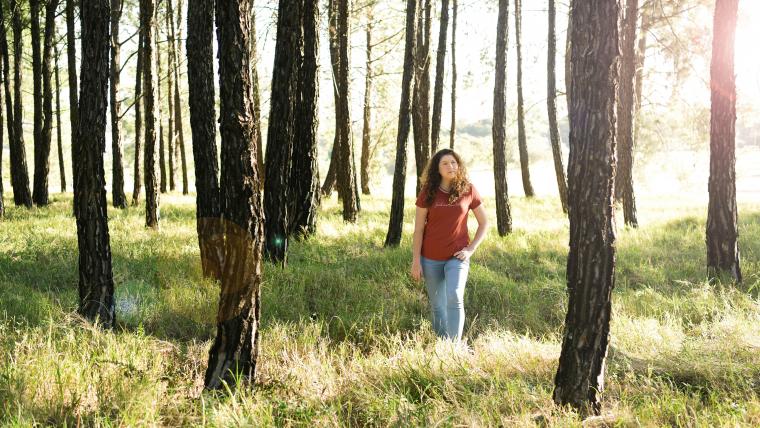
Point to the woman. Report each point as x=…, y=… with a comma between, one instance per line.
x=441, y=248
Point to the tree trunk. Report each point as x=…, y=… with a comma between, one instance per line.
x=171, y=135
x=19, y=175
x=2, y=149
x=71, y=51
x=200, y=78
x=722, y=229
x=47, y=87
x=235, y=349
x=137, y=186
x=551, y=105
x=453, y=130
x=96, y=287
x=41, y=145
x=119, y=198
x=626, y=113
x=147, y=27
x=439, y=64
x=257, y=101
x=160, y=119
x=521, y=138
x=304, y=176
x=367, y=128
x=179, y=142
x=421, y=96
x=568, y=59
x=330, y=177
x=591, y=261
x=282, y=129
x=4, y=54
x=346, y=171
x=646, y=23
x=503, y=209
x=58, y=128
x=396, y=223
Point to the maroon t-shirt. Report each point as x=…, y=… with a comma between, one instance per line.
x=446, y=227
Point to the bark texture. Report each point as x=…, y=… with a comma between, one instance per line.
x=235, y=348
x=58, y=128
x=41, y=144
x=396, y=222
x=71, y=57
x=19, y=175
x=96, y=287
x=200, y=79
x=367, y=117
x=438, y=88
x=722, y=228
x=147, y=27
x=179, y=128
x=421, y=95
x=117, y=172
x=137, y=186
x=498, y=131
x=551, y=106
x=579, y=381
x=453, y=130
x=626, y=113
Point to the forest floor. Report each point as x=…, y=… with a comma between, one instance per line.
x=346, y=339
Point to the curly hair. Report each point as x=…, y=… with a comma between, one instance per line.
x=431, y=178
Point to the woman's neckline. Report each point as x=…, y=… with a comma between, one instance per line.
x=444, y=190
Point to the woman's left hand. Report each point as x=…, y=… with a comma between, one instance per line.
x=464, y=254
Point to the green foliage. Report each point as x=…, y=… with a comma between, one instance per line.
x=345, y=335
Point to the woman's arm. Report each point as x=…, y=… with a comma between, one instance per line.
x=480, y=215
x=420, y=218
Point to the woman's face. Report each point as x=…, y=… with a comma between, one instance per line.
x=448, y=167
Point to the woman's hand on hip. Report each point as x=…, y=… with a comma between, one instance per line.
x=416, y=270
x=464, y=254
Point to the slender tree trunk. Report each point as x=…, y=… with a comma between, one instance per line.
x=568, y=60
x=396, y=223
x=200, y=78
x=551, y=105
x=160, y=119
x=257, y=101
x=421, y=96
x=96, y=287
x=626, y=113
x=171, y=135
x=453, y=130
x=646, y=24
x=235, y=349
x=41, y=145
x=503, y=209
x=19, y=174
x=346, y=172
x=591, y=261
x=2, y=149
x=71, y=51
x=521, y=138
x=10, y=123
x=722, y=229
x=439, y=65
x=332, y=170
x=179, y=142
x=137, y=186
x=117, y=182
x=330, y=177
x=47, y=90
x=148, y=26
x=58, y=127
x=367, y=128
x=304, y=177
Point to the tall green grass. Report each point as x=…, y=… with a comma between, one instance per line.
x=346, y=339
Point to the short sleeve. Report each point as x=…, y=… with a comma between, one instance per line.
x=421, y=198
x=475, y=201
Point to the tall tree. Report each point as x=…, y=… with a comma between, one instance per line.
x=179, y=141
x=591, y=261
x=332, y=31
x=2, y=75
x=522, y=144
x=170, y=140
x=47, y=90
x=551, y=105
x=396, y=222
x=256, y=100
x=117, y=171
x=19, y=174
x=137, y=186
x=498, y=131
x=235, y=348
x=722, y=229
x=304, y=176
x=346, y=171
x=200, y=78
x=8, y=99
x=147, y=28
x=160, y=118
x=58, y=127
x=646, y=24
x=453, y=130
x=96, y=286
x=281, y=133
x=421, y=95
x=367, y=117
x=438, y=89
x=41, y=145
x=626, y=112
x=71, y=51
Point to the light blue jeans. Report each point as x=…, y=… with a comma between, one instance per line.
x=445, y=281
